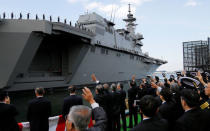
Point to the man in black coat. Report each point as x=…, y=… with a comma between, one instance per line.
x=39, y=111
x=167, y=109
x=70, y=101
x=109, y=112
x=116, y=107
x=100, y=97
x=7, y=114
x=132, y=92
x=79, y=116
x=122, y=104
x=194, y=119
x=151, y=122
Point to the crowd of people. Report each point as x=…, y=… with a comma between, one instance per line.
x=175, y=104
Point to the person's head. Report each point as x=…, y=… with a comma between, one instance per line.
x=148, y=106
x=39, y=91
x=113, y=87
x=106, y=86
x=189, y=99
x=3, y=96
x=78, y=118
x=157, y=79
x=142, y=85
x=166, y=94
x=99, y=89
x=72, y=89
x=207, y=90
x=119, y=86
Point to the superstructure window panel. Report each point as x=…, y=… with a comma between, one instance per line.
x=93, y=49
x=132, y=57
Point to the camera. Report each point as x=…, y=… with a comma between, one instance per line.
x=163, y=74
x=178, y=74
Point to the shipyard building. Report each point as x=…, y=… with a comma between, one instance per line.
x=196, y=55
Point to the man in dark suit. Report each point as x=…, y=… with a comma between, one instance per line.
x=70, y=101
x=122, y=104
x=39, y=110
x=100, y=97
x=79, y=116
x=108, y=96
x=116, y=107
x=132, y=110
x=151, y=122
x=194, y=119
x=7, y=114
x=167, y=109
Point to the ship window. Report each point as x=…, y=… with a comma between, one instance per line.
x=102, y=51
x=118, y=54
x=131, y=56
x=107, y=52
x=93, y=48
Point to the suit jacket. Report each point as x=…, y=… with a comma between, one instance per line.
x=131, y=95
x=167, y=111
x=108, y=96
x=152, y=124
x=101, y=100
x=7, y=118
x=70, y=101
x=141, y=92
x=193, y=120
x=100, y=118
x=122, y=99
x=116, y=103
x=39, y=110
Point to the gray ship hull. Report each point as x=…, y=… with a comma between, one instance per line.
x=41, y=53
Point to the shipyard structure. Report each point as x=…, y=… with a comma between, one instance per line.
x=41, y=52
x=196, y=55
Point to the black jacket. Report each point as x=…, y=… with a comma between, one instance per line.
x=152, y=124
x=101, y=100
x=108, y=96
x=141, y=92
x=131, y=95
x=100, y=118
x=122, y=99
x=39, y=110
x=167, y=111
x=116, y=101
x=70, y=101
x=193, y=120
x=7, y=118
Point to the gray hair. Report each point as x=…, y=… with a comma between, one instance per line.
x=80, y=116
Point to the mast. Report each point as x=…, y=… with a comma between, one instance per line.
x=130, y=21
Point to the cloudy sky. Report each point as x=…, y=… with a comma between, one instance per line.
x=165, y=24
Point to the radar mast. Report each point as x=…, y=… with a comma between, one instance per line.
x=130, y=22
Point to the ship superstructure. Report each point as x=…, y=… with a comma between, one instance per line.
x=35, y=52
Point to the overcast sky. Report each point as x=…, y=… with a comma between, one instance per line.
x=165, y=24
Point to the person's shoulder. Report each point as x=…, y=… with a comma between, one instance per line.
x=163, y=121
x=78, y=97
x=139, y=127
x=7, y=106
x=32, y=100
x=46, y=100
x=10, y=107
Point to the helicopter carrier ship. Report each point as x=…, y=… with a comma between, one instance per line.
x=40, y=52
